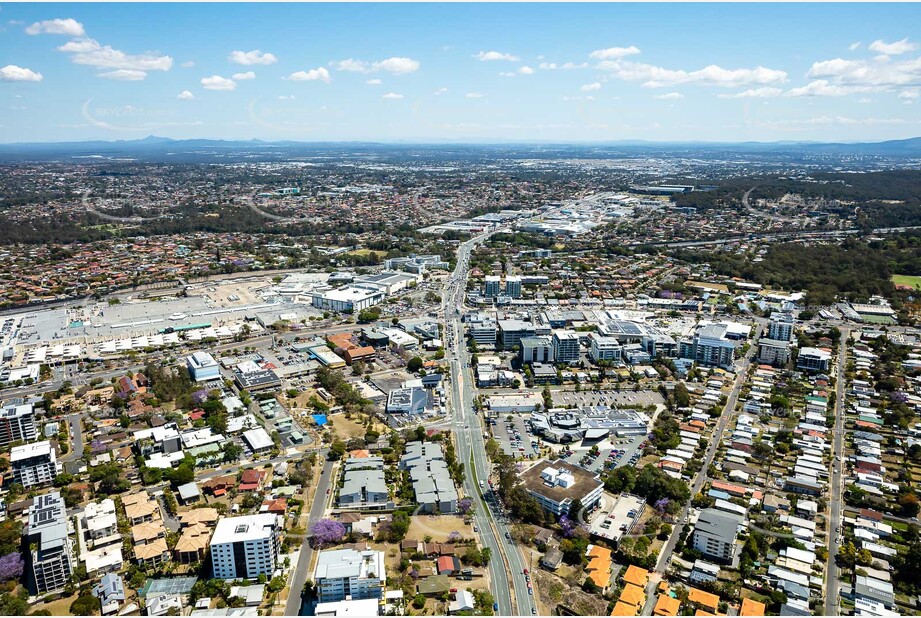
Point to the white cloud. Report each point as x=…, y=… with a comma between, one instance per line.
x=753, y=93
x=486, y=56
x=910, y=96
x=188, y=64
x=91, y=53
x=374, y=82
x=854, y=46
x=391, y=95
x=551, y=66
x=185, y=95
x=397, y=65
x=320, y=73
x=712, y=75
x=13, y=73
x=244, y=76
x=129, y=75
x=592, y=86
x=875, y=74
x=440, y=92
x=526, y=70
x=614, y=53
x=252, y=57
x=474, y=95
x=824, y=88
x=508, y=74
x=216, y=82
x=70, y=27
x=893, y=49
x=286, y=97
x=669, y=96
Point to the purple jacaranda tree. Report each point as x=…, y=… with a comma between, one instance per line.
x=568, y=526
x=454, y=537
x=464, y=505
x=11, y=567
x=327, y=532
x=661, y=505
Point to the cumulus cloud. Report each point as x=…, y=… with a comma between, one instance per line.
x=13, y=73
x=391, y=95
x=374, y=82
x=614, y=53
x=188, y=64
x=753, y=93
x=397, y=65
x=909, y=96
x=318, y=74
x=893, y=49
x=474, y=95
x=216, y=82
x=592, y=86
x=526, y=70
x=252, y=57
x=68, y=26
x=244, y=76
x=824, y=88
x=713, y=75
x=854, y=46
x=91, y=53
x=185, y=95
x=669, y=96
x=487, y=56
x=440, y=91
x=129, y=75
x=878, y=73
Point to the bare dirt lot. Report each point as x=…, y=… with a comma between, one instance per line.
x=439, y=527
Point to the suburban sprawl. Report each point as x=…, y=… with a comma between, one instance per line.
x=498, y=380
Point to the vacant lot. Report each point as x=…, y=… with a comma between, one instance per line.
x=439, y=527
x=346, y=428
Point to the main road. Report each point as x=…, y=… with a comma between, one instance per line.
x=302, y=568
x=835, y=500
x=509, y=586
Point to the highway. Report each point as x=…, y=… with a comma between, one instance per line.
x=509, y=587
x=835, y=499
x=302, y=568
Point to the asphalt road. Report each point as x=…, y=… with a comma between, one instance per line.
x=836, y=502
x=301, y=570
x=76, y=439
x=506, y=568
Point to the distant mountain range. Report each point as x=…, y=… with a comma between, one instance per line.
x=163, y=148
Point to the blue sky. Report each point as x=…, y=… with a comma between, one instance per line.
x=467, y=72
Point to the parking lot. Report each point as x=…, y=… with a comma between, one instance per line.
x=606, y=398
x=513, y=437
x=628, y=446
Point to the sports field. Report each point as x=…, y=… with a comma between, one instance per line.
x=909, y=280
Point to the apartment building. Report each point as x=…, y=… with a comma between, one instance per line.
x=34, y=465
x=245, y=547
x=566, y=346
x=537, y=349
x=348, y=573
x=51, y=557
x=17, y=424
x=715, y=534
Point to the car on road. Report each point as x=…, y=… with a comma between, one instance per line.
x=533, y=610
x=525, y=571
x=508, y=536
x=531, y=591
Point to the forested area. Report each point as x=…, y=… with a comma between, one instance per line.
x=855, y=269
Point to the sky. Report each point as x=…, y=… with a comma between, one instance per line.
x=460, y=72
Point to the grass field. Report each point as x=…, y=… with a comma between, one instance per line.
x=363, y=252
x=910, y=280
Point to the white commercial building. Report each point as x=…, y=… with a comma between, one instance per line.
x=566, y=346
x=202, y=367
x=33, y=464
